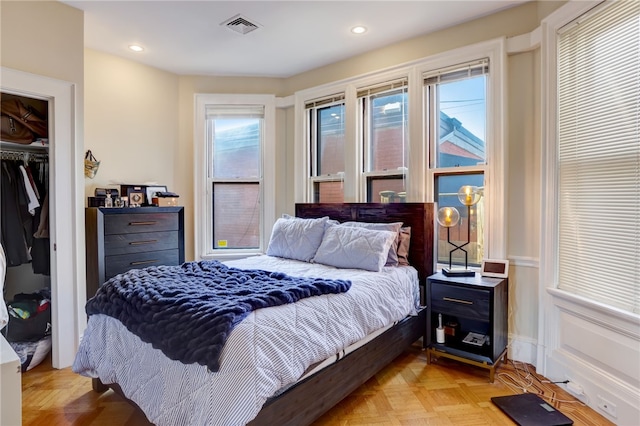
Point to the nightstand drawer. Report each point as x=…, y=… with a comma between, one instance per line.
x=115, y=265
x=116, y=244
x=140, y=222
x=460, y=301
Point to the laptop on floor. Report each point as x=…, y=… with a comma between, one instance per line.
x=529, y=409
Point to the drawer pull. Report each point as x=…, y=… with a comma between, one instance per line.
x=465, y=302
x=151, y=222
x=138, y=243
x=143, y=262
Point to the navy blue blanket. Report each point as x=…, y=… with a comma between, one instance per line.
x=188, y=311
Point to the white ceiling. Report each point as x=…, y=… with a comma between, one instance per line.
x=185, y=37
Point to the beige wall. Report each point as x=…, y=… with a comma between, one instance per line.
x=523, y=199
x=44, y=38
x=131, y=124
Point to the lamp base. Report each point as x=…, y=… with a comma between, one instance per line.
x=458, y=272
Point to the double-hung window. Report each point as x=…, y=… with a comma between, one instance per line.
x=234, y=178
x=384, y=128
x=326, y=136
x=456, y=128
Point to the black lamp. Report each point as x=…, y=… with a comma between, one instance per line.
x=449, y=217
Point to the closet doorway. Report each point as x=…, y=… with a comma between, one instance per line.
x=66, y=207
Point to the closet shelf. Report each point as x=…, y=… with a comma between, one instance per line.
x=40, y=145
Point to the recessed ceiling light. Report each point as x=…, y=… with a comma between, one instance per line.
x=136, y=48
x=359, y=30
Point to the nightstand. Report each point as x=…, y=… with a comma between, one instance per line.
x=474, y=318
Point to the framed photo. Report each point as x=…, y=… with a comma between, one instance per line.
x=151, y=192
x=135, y=196
x=495, y=268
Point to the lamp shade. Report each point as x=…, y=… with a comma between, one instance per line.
x=448, y=216
x=469, y=195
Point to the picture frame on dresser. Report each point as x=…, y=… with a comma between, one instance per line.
x=151, y=192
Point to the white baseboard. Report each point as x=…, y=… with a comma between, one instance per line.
x=599, y=388
x=523, y=349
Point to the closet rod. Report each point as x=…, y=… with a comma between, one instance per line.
x=24, y=156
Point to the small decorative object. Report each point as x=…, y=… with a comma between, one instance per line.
x=165, y=199
x=136, y=196
x=495, y=268
x=151, y=193
x=108, y=202
x=476, y=339
x=449, y=217
x=91, y=164
x=440, y=330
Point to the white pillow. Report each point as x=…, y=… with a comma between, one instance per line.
x=354, y=247
x=392, y=258
x=296, y=238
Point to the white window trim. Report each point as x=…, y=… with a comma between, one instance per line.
x=495, y=170
x=419, y=187
x=202, y=194
x=547, y=336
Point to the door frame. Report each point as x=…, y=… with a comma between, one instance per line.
x=66, y=207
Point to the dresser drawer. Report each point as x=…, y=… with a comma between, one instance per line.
x=461, y=301
x=115, y=265
x=140, y=222
x=115, y=244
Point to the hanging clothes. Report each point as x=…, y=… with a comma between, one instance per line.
x=13, y=228
x=32, y=199
x=24, y=231
x=41, y=250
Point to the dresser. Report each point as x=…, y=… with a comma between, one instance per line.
x=120, y=239
x=474, y=319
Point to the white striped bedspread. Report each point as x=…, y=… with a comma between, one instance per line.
x=268, y=350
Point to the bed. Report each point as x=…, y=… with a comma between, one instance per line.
x=288, y=385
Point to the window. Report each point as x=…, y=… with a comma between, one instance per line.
x=415, y=133
x=456, y=121
x=326, y=118
x=598, y=157
x=235, y=134
x=384, y=129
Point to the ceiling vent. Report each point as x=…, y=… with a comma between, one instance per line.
x=240, y=24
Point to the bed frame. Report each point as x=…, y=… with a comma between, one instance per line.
x=307, y=400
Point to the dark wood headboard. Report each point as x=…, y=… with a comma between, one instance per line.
x=419, y=216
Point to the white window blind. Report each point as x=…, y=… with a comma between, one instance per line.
x=599, y=156
x=458, y=72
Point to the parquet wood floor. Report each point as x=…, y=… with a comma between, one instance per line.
x=407, y=392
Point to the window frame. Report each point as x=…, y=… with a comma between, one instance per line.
x=419, y=176
x=311, y=122
x=495, y=167
x=432, y=123
x=364, y=130
x=203, y=206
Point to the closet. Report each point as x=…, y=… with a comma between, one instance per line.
x=24, y=234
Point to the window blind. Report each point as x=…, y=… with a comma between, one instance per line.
x=458, y=72
x=324, y=101
x=599, y=156
x=383, y=87
x=235, y=111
